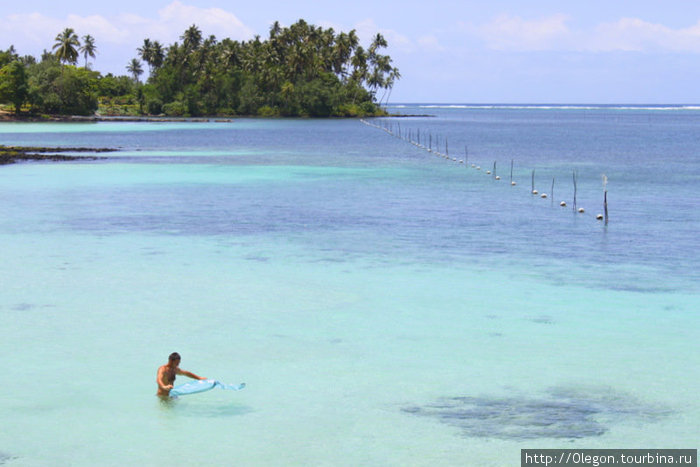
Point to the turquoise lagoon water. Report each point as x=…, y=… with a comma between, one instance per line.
x=385, y=306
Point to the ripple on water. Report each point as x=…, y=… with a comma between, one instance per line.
x=542, y=319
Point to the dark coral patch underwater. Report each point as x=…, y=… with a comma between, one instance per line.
x=559, y=413
x=4, y=457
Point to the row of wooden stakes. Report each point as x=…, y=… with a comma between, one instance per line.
x=414, y=137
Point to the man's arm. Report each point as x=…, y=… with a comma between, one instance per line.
x=189, y=374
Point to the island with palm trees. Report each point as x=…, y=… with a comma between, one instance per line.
x=298, y=71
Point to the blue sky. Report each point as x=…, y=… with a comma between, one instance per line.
x=538, y=51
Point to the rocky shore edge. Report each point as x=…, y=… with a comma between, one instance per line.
x=12, y=154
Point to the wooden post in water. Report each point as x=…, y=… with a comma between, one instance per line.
x=532, y=189
x=552, y=192
x=447, y=152
x=511, y=172
x=605, y=198
x=605, y=205
x=466, y=154
x=494, y=169
x=574, y=175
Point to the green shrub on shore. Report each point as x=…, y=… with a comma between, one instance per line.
x=175, y=109
x=267, y=111
x=14, y=85
x=62, y=89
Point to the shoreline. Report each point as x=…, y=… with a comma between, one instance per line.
x=9, y=117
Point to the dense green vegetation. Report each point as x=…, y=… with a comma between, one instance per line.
x=301, y=70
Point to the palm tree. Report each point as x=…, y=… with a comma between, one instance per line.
x=340, y=54
x=134, y=67
x=275, y=29
x=65, y=46
x=360, y=70
x=359, y=65
x=389, y=85
x=88, y=48
x=230, y=53
x=157, y=55
x=146, y=52
x=191, y=38
x=377, y=43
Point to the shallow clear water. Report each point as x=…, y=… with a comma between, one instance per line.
x=384, y=306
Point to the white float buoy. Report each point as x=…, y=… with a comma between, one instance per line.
x=498, y=177
x=488, y=172
x=534, y=192
x=562, y=204
x=513, y=183
x=581, y=210
x=543, y=195
x=599, y=217
x=478, y=168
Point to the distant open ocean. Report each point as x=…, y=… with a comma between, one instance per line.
x=552, y=106
x=385, y=305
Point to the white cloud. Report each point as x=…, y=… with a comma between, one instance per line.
x=177, y=17
x=367, y=30
x=513, y=33
x=634, y=34
x=430, y=43
x=96, y=25
x=32, y=29
x=37, y=30
x=507, y=32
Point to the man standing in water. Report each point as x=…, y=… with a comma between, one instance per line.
x=167, y=372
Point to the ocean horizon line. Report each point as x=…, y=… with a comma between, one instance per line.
x=545, y=106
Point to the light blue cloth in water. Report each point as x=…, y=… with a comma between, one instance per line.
x=202, y=385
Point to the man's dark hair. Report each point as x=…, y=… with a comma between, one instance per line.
x=174, y=356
